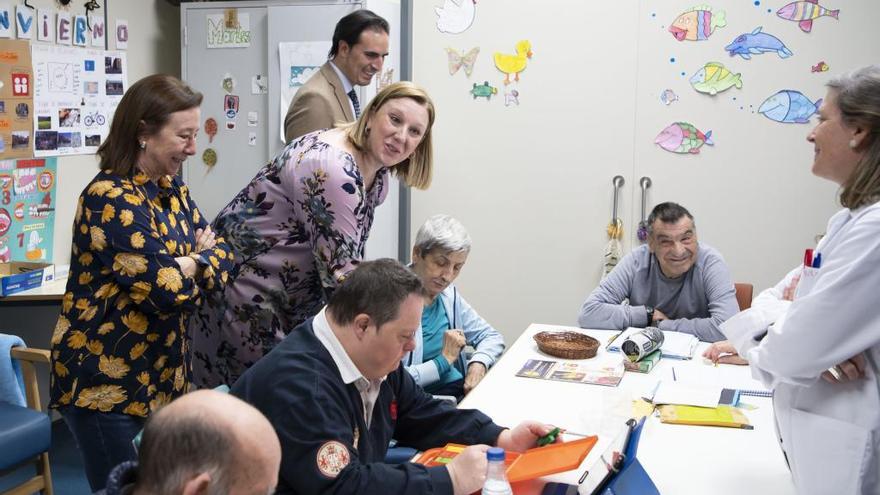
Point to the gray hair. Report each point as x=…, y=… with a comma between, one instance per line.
x=858, y=98
x=178, y=446
x=442, y=232
x=668, y=212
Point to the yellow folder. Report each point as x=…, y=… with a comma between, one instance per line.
x=725, y=416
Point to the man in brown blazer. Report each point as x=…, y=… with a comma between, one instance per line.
x=360, y=45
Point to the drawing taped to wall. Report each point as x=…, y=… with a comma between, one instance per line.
x=513, y=64
x=697, y=24
x=456, y=16
x=804, y=13
x=789, y=107
x=756, y=43
x=683, y=138
x=457, y=60
x=714, y=77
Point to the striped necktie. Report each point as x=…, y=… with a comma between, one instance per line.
x=357, y=105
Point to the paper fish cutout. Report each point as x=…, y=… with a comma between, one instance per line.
x=756, y=43
x=683, y=137
x=789, y=106
x=668, y=96
x=820, y=67
x=714, y=78
x=484, y=90
x=697, y=24
x=514, y=64
x=455, y=16
x=511, y=96
x=457, y=60
x=804, y=13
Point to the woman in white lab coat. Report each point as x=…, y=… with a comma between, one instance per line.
x=822, y=359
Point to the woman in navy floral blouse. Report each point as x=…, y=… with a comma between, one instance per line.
x=141, y=257
x=301, y=225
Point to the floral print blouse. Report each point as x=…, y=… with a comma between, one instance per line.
x=296, y=230
x=120, y=344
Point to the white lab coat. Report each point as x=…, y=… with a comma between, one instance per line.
x=829, y=432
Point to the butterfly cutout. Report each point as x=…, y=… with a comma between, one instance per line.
x=457, y=60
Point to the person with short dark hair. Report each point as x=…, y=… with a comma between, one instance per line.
x=205, y=442
x=360, y=45
x=336, y=393
x=301, y=225
x=142, y=255
x=673, y=282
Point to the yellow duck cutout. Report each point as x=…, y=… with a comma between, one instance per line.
x=514, y=64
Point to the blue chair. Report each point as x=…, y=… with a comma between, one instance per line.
x=26, y=432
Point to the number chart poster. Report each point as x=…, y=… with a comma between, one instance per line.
x=75, y=94
x=27, y=209
x=16, y=99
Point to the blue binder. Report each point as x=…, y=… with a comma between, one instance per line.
x=632, y=478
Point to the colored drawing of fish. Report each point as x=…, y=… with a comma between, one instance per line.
x=804, y=13
x=789, y=106
x=697, y=24
x=820, y=67
x=668, y=96
x=714, y=78
x=683, y=137
x=756, y=43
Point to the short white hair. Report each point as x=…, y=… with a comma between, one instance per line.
x=442, y=232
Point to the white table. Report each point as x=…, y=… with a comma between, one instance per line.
x=681, y=459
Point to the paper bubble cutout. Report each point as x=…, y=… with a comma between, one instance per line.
x=683, y=137
x=668, y=96
x=209, y=157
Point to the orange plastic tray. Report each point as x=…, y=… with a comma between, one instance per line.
x=531, y=464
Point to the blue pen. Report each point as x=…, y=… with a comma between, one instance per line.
x=817, y=260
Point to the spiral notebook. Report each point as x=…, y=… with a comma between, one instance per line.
x=756, y=393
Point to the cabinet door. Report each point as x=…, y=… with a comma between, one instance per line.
x=530, y=175
x=205, y=69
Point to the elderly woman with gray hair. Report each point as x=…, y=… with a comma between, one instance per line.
x=449, y=323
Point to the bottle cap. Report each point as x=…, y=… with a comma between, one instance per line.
x=495, y=454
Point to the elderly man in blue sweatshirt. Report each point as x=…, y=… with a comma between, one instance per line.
x=673, y=283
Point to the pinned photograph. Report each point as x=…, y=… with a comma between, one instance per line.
x=21, y=140
x=112, y=65
x=44, y=122
x=68, y=117
x=114, y=88
x=46, y=140
x=69, y=140
x=90, y=87
x=93, y=140
x=22, y=110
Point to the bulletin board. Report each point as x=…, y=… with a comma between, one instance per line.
x=16, y=99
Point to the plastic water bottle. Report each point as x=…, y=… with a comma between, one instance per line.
x=496, y=477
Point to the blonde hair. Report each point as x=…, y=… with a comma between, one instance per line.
x=858, y=98
x=416, y=170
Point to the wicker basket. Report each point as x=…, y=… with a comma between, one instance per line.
x=567, y=345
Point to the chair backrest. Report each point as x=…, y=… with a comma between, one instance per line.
x=744, y=295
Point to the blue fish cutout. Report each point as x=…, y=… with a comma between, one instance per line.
x=789, y=106
x=756, y=43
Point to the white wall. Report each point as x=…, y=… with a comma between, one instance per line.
x=532, y=183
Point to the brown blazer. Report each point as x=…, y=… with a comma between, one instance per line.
x=320, y=103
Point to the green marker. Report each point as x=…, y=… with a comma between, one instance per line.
x=549, y=438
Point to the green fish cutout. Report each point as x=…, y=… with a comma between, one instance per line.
x=714, y=78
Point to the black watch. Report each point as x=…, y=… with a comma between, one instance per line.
x=650, y=311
